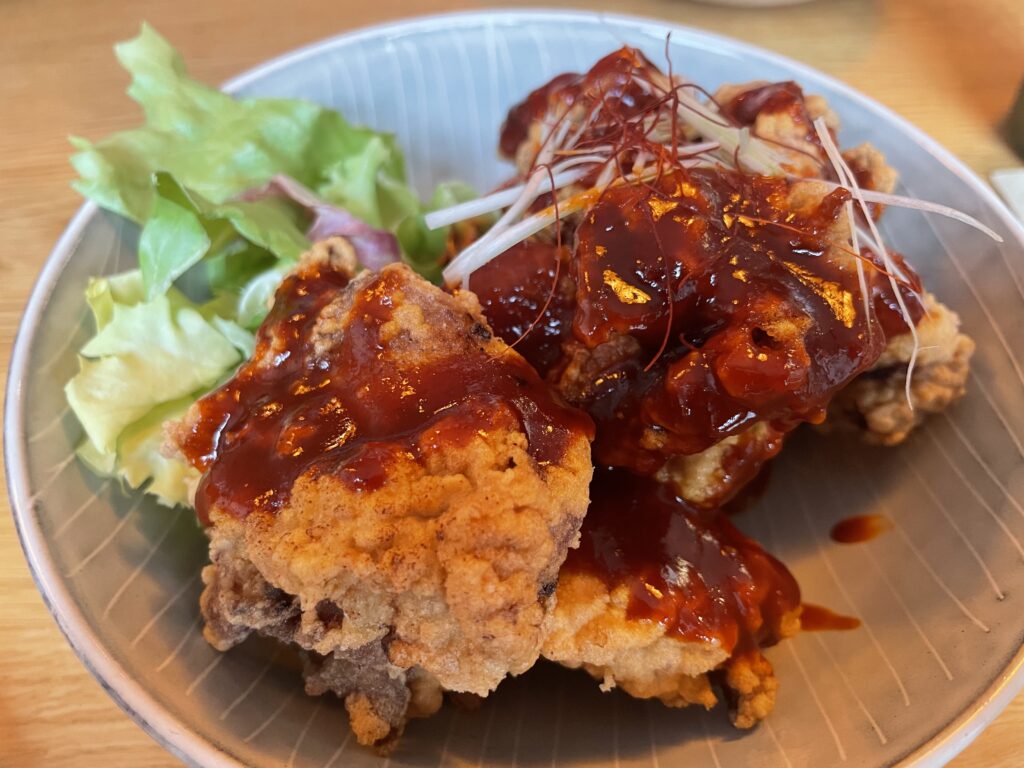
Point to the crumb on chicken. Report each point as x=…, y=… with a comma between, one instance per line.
x=751, y=687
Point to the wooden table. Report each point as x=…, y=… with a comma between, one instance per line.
x=950, y=66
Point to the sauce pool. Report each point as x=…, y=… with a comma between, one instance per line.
x=860, y=528
x=815, y=618
x=689, y=569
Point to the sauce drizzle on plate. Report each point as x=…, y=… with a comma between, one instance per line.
x=860, y=528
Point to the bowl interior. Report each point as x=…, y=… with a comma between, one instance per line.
x=940, y=596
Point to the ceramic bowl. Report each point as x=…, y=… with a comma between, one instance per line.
x=941, y=596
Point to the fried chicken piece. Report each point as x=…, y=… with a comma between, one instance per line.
x=388, y=486
x=782, y=115
x=591, y=630
x=715, y=475
x=378, y=695
x=703, y=301
x=746, y=338
x=661, y=595
x=875, y=404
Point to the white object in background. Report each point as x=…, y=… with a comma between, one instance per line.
x=1009, y=182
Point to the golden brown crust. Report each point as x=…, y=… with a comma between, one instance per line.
x=590, y=630
x=876, y=403
x=369, y=728
x=442, y=577
x=818, y=106
x=450, y=557
x=872, y=170
x=752, y=687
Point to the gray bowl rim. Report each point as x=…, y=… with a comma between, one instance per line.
x=133, y=698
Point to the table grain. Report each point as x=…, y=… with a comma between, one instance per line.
x=950, y=66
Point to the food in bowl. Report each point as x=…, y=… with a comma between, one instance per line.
x=397, y=477
x=388, y=486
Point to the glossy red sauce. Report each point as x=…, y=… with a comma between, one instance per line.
x=612, y=83
x=741, y=308
x=349, y=409
x=689, y=569
x=527, y=297
x=860, y=528
x=883, y=299
x=814, y=618
x=517, y=124
x=708, y=263
x=771, y=98
x=761, y=324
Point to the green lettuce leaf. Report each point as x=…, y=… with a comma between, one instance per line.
x=219, y=146
x=146, y=355
x=172, y=241
x=184, y=228
x=140, y=456
x=425, y=247
x=183, y=177
x=254, y=299
x=271, y=224
x=200, y=149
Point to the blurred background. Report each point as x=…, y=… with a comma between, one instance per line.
x=952, y=67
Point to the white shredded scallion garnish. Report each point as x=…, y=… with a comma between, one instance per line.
x=495, y=201
x=862, y=280
x=846, y=176
x=925, y=206
x=561, y=163
x=492, y=245
x=483, y=250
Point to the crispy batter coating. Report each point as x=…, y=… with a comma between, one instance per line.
x=876, y=404
x=440, y=578
x=789, y=128
x=750, y=686
x=818, y=106
x=870, y=168
x=590, y=629
x=454, y=558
